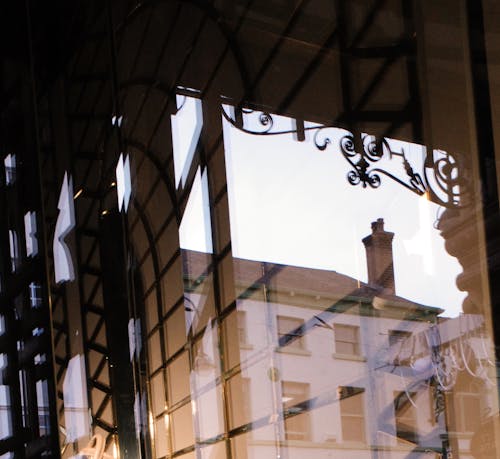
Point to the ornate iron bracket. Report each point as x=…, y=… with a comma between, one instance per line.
x=438, y=176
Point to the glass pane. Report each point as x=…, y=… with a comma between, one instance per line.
x=239, y=402
x=290, y=332
x=367, y=315
x=154, y=351
x=217, y=450
x=178, y=378
x=43, y=407
x=158, y=393
x=175, y=330
x=208, y=411
x=284, y=223
x=161, y=437
x=353, y=429
x=6, y=420
x=182, y=427
x=151, y=312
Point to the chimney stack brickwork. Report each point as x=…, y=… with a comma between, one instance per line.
x=379, y=258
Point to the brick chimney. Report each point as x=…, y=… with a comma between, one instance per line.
x=378, y=247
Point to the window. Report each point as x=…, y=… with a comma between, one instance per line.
x=467, y=411
x=466, y=405
x=14, y=250
x=30, y=234
x=297, y=423
x=240, y=412
x=35, y=294
x=290, y=332
x=10, y=169
x=42, y=395
x=246, y=399
x=352, y=413
x=397, y=339
x=242, y=327
x=5, y=410
x=406, y=417
x=347, y=339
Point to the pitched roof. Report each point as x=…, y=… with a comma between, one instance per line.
x=299, y=286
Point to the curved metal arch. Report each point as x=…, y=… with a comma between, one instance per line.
x=148, y=152
x=217, y=19
x=154, y=254
x=152, y=157
x=149, y=82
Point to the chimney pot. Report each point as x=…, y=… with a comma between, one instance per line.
x=378, y=225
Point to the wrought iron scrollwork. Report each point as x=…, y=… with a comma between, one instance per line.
x=446, y=176
x=372, y=152
x=438, y=176
x=438, y=395
x=361, y=173
x=466, y=349
x=262, y=122
x=264, y=119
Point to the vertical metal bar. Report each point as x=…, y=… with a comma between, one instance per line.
x=43, y=236
x=345, y=70
x=408, y=7
x=116, y=313
x=212, y=156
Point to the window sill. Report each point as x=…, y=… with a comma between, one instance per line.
x=310, y=444
x=293, y=443
x=293, y=351
x=356, y=358
x=461, y=434
x=352, y=444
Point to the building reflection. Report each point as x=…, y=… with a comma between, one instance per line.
x=136, y=322
x=313, y=363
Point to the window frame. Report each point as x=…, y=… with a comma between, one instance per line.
x=401, y=410
x=306, y=433
x=346, y=393
x=355, y=343
x=297, y=342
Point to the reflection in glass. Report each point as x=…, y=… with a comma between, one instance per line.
x=289, y=332
x=373, y=348
x=297, y=423
x=43, y=407
x=10, y=169
x=405, y=412
x=306, y=264
x=5, y=412
x=347, y=339
x=352, y=413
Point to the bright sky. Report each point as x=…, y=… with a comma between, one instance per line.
x=291, y=203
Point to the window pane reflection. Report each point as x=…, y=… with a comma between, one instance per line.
x=351, y=334
x=307, y=265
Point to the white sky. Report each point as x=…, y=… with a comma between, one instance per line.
x=291, y=203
